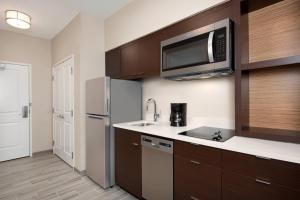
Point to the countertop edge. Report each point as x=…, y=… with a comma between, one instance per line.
x=235, y=144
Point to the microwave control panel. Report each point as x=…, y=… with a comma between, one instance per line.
x=220, y=45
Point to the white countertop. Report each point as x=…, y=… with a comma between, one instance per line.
x=289, y=152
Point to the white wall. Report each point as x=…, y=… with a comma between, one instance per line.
x=141, y=17
x=16, y=47
x=64, y=44
x=92, y=65
x=83, y=37
x=211, y=100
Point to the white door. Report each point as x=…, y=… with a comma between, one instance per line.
x=14, y=111
x=63, y=117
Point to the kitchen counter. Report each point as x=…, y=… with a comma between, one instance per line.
x=289, y=152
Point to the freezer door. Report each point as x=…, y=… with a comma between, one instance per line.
x=97, y=149
x=98, y=96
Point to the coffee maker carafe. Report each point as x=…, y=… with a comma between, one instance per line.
x=178, y=114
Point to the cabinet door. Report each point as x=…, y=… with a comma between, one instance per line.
x=236, y=187
x=149, y=54
x=113, y=63
x=202, y=154
x=195, y=180
x=130, y=68
x=128, y=161
x=275, y=171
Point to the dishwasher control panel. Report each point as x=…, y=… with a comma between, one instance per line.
x=157, y=143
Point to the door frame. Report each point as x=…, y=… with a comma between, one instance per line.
x=72, y=57
x=29, y=66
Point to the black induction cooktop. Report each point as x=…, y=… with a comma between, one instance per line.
x=210, y=133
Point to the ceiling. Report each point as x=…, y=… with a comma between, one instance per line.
x=49, y=17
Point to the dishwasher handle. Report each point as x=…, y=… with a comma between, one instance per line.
x=157, y=144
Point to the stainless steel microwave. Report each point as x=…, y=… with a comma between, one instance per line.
x=202, y=53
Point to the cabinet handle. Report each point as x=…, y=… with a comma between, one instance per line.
x=194, y=144
x=135, y=144
x=262, y=181
x=195, y=162
x=193, y=198
x=265, y=158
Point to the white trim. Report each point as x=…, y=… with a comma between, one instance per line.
x=72, y=57
x=65, y=59
x=30, y=98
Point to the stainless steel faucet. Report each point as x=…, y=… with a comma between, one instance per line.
x=155, y=115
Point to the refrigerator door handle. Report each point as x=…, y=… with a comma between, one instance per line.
x=95, y=117
x=107, y=106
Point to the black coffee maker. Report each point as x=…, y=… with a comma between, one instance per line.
x=178, y=114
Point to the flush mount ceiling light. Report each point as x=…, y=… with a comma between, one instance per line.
x=18, y=19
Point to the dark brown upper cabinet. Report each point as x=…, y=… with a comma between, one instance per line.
x=135, y=60
x=149, y=54
x=113, y=63
x=129, y=61
x=141, y=58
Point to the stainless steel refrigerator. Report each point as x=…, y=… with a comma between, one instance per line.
x=108, y=101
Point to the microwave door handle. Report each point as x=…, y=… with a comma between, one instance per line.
x=210, y=47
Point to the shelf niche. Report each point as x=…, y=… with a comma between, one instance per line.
x=268, y=99
x=272, y=108
x=274, y=98
x=274, y=31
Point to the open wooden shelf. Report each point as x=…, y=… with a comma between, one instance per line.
x=272, y=134
x=267, y=77
x=287, y=61
x=272, y=33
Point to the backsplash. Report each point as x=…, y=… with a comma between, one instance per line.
x=210, y=101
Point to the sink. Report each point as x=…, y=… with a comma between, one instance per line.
x=143, y=124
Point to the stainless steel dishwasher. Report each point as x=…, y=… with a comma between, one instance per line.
x=157, y=168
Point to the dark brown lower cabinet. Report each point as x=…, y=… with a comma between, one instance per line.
x=205, y=173
x=274, y=171
x=194, y=180
x=237, y=187
x=128, y=166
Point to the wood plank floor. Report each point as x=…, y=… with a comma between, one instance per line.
x=46, y=177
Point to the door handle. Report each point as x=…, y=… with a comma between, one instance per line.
x=25, y=111
x=60, y=116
